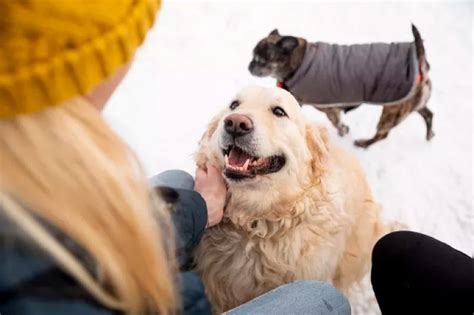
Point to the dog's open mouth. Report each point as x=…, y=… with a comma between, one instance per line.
x=240, y=164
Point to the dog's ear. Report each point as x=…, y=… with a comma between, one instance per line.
x=201, y=157
x=317, y=140
x=274, y=32
x=288, y=43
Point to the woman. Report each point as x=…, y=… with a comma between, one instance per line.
x=81, y=232
x=75, y=208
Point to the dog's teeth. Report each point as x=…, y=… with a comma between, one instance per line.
x=226, y=159
x=246, y=165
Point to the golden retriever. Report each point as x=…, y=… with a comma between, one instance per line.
x=299, y=208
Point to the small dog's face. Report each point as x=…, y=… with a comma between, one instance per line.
x=261, y=137
x=272, y=55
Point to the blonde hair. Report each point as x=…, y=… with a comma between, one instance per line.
x=66, y=166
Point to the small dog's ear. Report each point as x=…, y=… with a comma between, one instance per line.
x=288, y=43
x=274, y=32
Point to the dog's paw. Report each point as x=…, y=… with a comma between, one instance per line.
x=343, y=130
x=362, y=143
x=430, y=135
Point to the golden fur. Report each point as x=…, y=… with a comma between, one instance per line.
x=314, y=219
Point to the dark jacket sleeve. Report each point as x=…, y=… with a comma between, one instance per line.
x=194, y=300
x=190, y=219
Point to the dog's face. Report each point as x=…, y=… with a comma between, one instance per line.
x=273, y=55
x=260, y=139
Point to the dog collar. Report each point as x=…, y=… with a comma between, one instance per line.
x=280, y=84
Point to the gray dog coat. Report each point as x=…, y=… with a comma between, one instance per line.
x=338, y=75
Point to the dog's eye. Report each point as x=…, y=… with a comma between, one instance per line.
x=259, y=59
x=234, y=105
x=278, y=111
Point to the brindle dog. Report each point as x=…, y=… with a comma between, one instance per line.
x=280, y=56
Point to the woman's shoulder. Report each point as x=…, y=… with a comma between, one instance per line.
x=32, y=283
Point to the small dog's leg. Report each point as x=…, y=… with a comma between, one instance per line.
x=424, y=111
x=428, y=117
x=334, y=116
x=380, y=135
x=391, y=116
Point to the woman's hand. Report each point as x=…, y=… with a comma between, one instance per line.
x=212, y=187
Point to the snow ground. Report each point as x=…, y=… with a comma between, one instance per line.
x=195, y=59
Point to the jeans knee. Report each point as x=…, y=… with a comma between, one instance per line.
x=328, y=296
x=300, y=297
x=393, y=254
x=393, y=245
x=178, y=179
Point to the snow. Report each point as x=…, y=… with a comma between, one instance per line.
x=195, y=59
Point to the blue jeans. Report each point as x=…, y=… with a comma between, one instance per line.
x=173, y=178
x=301, y=297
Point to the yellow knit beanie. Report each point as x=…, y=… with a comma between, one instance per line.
x=52, y=50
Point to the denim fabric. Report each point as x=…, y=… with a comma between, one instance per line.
x=177, y=179
x=299, y=298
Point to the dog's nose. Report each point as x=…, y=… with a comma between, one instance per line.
x=238, y=125
x=251, y=66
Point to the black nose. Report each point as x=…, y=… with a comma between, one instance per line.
x=238, y=125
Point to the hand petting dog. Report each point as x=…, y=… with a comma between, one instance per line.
x=211, y=185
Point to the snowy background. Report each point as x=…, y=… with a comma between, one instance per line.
x=195, y=59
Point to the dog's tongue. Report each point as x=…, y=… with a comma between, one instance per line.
x=238, y=157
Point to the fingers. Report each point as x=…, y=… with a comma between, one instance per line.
x=200, y=178
x=212, y=177
x=213, y=172
x=212, y=187
x=211, y=169
x=200, y=173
